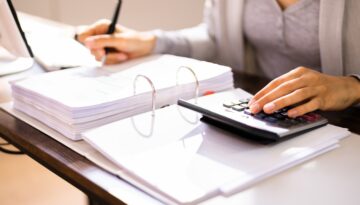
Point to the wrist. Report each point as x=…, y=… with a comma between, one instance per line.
x=355, y=87
x=160, y=45
x=150, y=42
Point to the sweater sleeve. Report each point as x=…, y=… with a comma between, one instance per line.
x=197, y=42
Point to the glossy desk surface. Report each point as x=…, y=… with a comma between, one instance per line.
x=332, y=178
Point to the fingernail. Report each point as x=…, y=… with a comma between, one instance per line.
x=255, y=108
x=269, y=107
x=293, y=113
x=251, y=102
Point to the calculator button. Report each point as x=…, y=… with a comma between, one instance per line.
x=284, y=114
x=232, y=103
x=236, y=102
x=245, y=105
x=248, y=112
x=228, y=104
x=238, y=108
x=284, y=110
x=307, y=118
x=271, y=119
x=314, y=115
x=295, y=121
x=299, y=120
x=279, y=116
x=311, y=117
x=285, y=124
x=243, y=101
x=260, y=115
x=278, y=112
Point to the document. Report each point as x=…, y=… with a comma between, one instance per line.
x=181, y=160
x=167, y=152
x=204, y=147
x=75, y=100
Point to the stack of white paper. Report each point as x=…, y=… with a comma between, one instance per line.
x=75, y=100
x=184, y=161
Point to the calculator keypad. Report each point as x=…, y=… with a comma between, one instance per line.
x=278, y=118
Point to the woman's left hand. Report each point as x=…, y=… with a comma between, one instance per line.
x=309, y=90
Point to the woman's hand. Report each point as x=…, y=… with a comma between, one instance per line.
x=309, y=90
x=125, y=43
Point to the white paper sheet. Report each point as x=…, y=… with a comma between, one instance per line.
x=209, y=161
x=74, y=100
x=189, y=163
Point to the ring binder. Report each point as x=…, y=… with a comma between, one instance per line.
x=153, y=100
x=186, y=118
x=91, y=97
x=197, y=88
x=151, y=130
x=196, y=80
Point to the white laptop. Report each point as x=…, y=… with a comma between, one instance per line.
x=53, y=44
x=47, y=44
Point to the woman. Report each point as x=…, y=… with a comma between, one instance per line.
x=310, y=47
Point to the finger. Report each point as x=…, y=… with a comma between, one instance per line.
x=110, y=41
x=300, y=110
x=99, y=27
x=273, y=84
x=255, y=107
x=114, y=58
x=281, y=90
x=98, y=53
x=297, y=96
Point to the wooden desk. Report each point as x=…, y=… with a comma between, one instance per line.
x=329, y=179
x=99, y=185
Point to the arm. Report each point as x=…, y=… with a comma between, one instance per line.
x=193, y=42
x=197, y=42
x=309, y=89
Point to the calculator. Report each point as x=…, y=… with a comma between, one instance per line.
x=230, y=110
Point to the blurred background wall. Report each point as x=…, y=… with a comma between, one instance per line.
x=137, y=14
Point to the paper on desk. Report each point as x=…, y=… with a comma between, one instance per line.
x=205, y=150
x=189, y=163
x=125, y=191
x=93, y=87
x=78, y=99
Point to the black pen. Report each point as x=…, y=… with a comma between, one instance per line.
x=112, y=28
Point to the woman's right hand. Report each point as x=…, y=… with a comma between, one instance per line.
x=125, y=43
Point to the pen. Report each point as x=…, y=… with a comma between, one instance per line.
x=112, y=28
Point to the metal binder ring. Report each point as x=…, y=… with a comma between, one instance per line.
x=186, y=118
x=153, y=99
x=140, y=132
x=196, y=80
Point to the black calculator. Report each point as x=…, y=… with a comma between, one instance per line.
x=230, y=110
